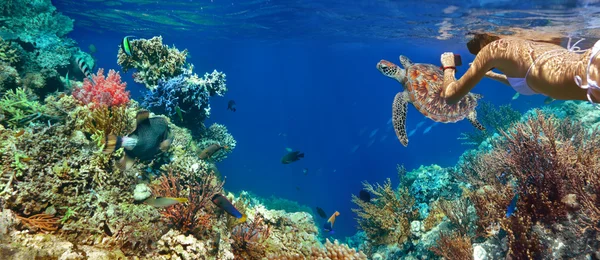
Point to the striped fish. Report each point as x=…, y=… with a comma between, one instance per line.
x=85, y=68
x=126, y=45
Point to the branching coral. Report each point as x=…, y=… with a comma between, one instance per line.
x=153, y=61
x=453, y=246
x=20, y=108
x=386, y=219
x=249, y=239
x=494, y=119
x=41, y=221
x=189, y=218
x=105, y=91
x=104, y=121
x=8, y=54
x=553, y=166
x=185, y=98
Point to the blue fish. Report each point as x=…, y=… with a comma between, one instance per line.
x=512, y=206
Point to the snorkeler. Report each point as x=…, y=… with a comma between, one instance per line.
x=529, y=67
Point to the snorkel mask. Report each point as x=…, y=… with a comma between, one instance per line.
x=591, y=84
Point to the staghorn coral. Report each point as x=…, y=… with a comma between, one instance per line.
x=8, y=54
x=105, y=91
x=20, y=108
x=105, y=120
x=153, y=61
x=185, y=98
x=453, y=246
x=386, y=219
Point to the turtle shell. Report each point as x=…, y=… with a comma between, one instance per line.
x=424, y=85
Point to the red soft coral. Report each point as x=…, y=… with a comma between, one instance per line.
x=107, y=91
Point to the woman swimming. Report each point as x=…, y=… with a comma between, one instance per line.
x=530, y=68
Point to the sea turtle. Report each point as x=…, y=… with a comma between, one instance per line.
x=423, y=86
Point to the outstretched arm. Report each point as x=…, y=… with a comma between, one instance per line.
x=455, y=90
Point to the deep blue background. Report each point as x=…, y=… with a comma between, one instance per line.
x=316, y=97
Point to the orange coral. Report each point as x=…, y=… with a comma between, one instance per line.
x=104, y=91
x=453, y=246
x=41, y=221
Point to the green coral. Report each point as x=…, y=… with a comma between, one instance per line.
x=153, y=61
x=8, y=54
x=19, y=108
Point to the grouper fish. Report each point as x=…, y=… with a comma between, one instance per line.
x=151, y=137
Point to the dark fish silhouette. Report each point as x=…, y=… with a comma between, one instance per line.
x=321, y=212
x=365, y=196
x=223, y=203
x=150, y=137
x=210, y=151
x=231, y=105
x=292, y=157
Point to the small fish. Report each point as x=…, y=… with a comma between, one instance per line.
x=20, y=133
x=150, y=137
x=305, y=171
x=517, y=95
x=364, y=196
x=126, y=45
x=328, y=226
x=231, y=105
x=412, y=132
x=223, y=203
x=389, y=121
x=297, y=188
x=512, y=207
x=419, y=124
x=374, y=132
x=548, y=100
x=68, y=81
x=162, y=202
x=429, y=128
x=210, y=151
x=85, y=68
x=178, y=111
x=292, y=157
x=321, y=212
x=289, y=150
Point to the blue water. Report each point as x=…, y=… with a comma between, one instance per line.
x=303, y=76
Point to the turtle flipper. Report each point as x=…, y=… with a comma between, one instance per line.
x=473, y=119
x=405, y=61
x=399, y=108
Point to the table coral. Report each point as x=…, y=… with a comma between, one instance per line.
x=153, y=60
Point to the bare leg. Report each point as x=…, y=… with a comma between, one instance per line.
x=497, y=77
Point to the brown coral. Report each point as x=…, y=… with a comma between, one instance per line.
x=386, y=218
x=189, y=218
x=453, y=246
x=153, y=61
x=249, y=239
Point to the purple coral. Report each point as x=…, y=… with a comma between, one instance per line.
x=185, y=98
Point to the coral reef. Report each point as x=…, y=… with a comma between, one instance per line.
x=153, y=61
x=185, y=98
x=19, y=108
x=386, y=219
x=105, y=91
x=494, y=119
x=218, y=134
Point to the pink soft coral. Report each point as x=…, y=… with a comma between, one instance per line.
x=107, y=91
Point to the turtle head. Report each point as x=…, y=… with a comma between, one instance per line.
x=391, y=70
